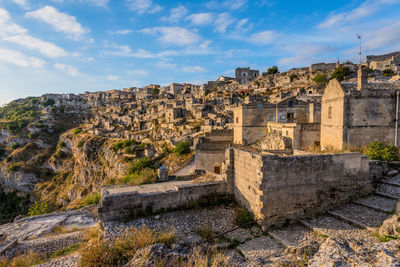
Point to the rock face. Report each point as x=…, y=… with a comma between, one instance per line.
x=83, y=163
x=341, y=252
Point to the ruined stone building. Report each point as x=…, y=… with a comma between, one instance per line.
x=383, y=62
x=355, y=114
x=246, y=75
x=323, y=67
x=251, y=120
x=176, y=88
x=210, y=151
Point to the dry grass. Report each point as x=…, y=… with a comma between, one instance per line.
x=27, y=260
x=124, y=248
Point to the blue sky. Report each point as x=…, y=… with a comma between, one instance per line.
x=60, y=46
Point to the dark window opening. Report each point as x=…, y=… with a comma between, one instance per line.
x=290, y=117
x=217, y=169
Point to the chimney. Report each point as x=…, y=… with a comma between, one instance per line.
x=362, y=80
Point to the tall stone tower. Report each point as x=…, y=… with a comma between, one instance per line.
x=362, y=80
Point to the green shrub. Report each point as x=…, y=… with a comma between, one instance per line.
x=205, y=232
x=340, y=73
x=139, y=165
x=39, y=208
x=49, y=102
x=11, y=205
x=61, y=145
x=66, y=251
x=320, y=78
x=244, y=218
x=80, y=144
x=182, y=148
x=77, y=131
x=124, y=144
x=32, y=135
x=14, y=146
x=388, y=72
x=92, y=199
x=145, y=176
x=382, y=151
x=273, y=70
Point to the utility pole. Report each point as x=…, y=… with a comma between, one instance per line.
x=360, y=53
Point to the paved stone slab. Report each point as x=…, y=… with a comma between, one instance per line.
x=389, y=189
x=295, y=235
x=336, y=228
x=364, y=215
x=378, y=202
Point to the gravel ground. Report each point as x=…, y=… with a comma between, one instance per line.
x=185, y=223
x=261, y=249
x=380, y=202
x=367, y=216
x=337, y=228
x=68, y=261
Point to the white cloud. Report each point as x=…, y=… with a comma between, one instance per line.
x=13, y=33
x=61, y=22
x=22, y=3
x=234, y=4
x=263, y=38
x=174, y=35
x=126, y=51
x=113, y=78
x=100, y=3
x=176, y=14
x=165, y=65
x=70, y=70
x=364, y=10
x=201, y=18
x=193, y=69
x=122, y=32
x=143, y=6
x=46, y=48
x=137, y=72
x=222, y=22
x=19, y=59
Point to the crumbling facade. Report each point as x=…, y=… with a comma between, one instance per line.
x=246, y=75
x=383, y=62
x=356, y=114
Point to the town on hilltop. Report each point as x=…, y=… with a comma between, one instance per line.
x=295, y=168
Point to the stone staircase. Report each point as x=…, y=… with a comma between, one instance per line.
x=358, y=220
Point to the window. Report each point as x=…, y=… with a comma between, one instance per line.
x=290, y=103
x=290, y=117
x=287, y=133
x=237, y=120
x=330, y=113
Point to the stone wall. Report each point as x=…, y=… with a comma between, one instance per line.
x=277, y=188
x=126, y=202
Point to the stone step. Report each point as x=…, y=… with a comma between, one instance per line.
x=378, y=203
x=395, y=181
x=327, y=225
x=386, y=195
x=261, y=250
x=389, y=189
x=296, y=235
x=360, y=216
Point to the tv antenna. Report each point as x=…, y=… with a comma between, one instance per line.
x=360, y=53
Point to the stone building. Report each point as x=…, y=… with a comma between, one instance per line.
x=355, y=114
x=210, y=151
x=383, y=62
x=246, y=75
x=323, y=66
x=250, y=120
x=176, y=88
x=173, y=114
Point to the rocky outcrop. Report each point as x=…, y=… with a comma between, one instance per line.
x=274, y=141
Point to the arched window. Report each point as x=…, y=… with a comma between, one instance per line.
x=330, y=113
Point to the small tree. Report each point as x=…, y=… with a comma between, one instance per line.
x=49, y=102
x=320, y=78
x=273, y=70
x=340, y=73
x=182, y=148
